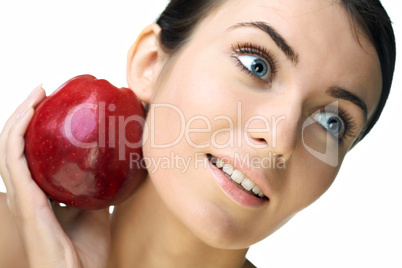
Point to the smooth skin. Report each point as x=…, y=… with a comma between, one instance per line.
x=184, y=219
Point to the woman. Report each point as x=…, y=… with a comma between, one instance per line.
x=295, y=84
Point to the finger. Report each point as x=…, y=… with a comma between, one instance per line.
x=21, y=188
x=37, y=92
x=35, y=219
x=35, y=97
x=32, y=101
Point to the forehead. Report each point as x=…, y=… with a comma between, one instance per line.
x=321, y=33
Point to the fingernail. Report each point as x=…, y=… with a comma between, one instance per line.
x=35, y=91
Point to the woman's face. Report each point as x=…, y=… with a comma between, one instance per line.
x=277, y=89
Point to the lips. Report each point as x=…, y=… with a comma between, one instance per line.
x=237, y=177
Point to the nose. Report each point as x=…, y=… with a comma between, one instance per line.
x=276, y=128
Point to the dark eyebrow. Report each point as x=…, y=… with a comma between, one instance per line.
x=340, y=93
x=278, y=39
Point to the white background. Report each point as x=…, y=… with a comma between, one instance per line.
x=357, y=223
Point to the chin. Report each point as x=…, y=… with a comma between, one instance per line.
x=229, y=239
x=220, y=228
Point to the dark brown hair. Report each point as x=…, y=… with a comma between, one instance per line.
x=181, y=17
x=372, y=18
x=179, y=20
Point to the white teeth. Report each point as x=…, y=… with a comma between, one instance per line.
x=228, y=169
x=248, y=184
x=238, y=176
x=256, y=189
x=219, y=163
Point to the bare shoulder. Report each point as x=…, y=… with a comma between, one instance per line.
x=248, y=264
x=12, y=253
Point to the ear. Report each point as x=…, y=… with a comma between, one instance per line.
x=143, y=60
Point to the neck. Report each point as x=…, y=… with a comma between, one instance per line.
x=146, y=234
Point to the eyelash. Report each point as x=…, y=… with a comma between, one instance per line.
x=348, y=121
x=251, y=49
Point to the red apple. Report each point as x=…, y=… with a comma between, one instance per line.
x=83, y=144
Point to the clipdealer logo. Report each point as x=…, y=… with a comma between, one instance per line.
x=119, y=141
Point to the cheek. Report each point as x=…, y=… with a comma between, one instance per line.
x=309, y=178
x=166, y=123
x=192, y=105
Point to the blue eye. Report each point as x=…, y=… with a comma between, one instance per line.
x=255, y=66
x=332, y=123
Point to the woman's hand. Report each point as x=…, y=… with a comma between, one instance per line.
x=53, y=236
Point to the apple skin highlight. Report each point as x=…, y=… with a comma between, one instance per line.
x=80, y=140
